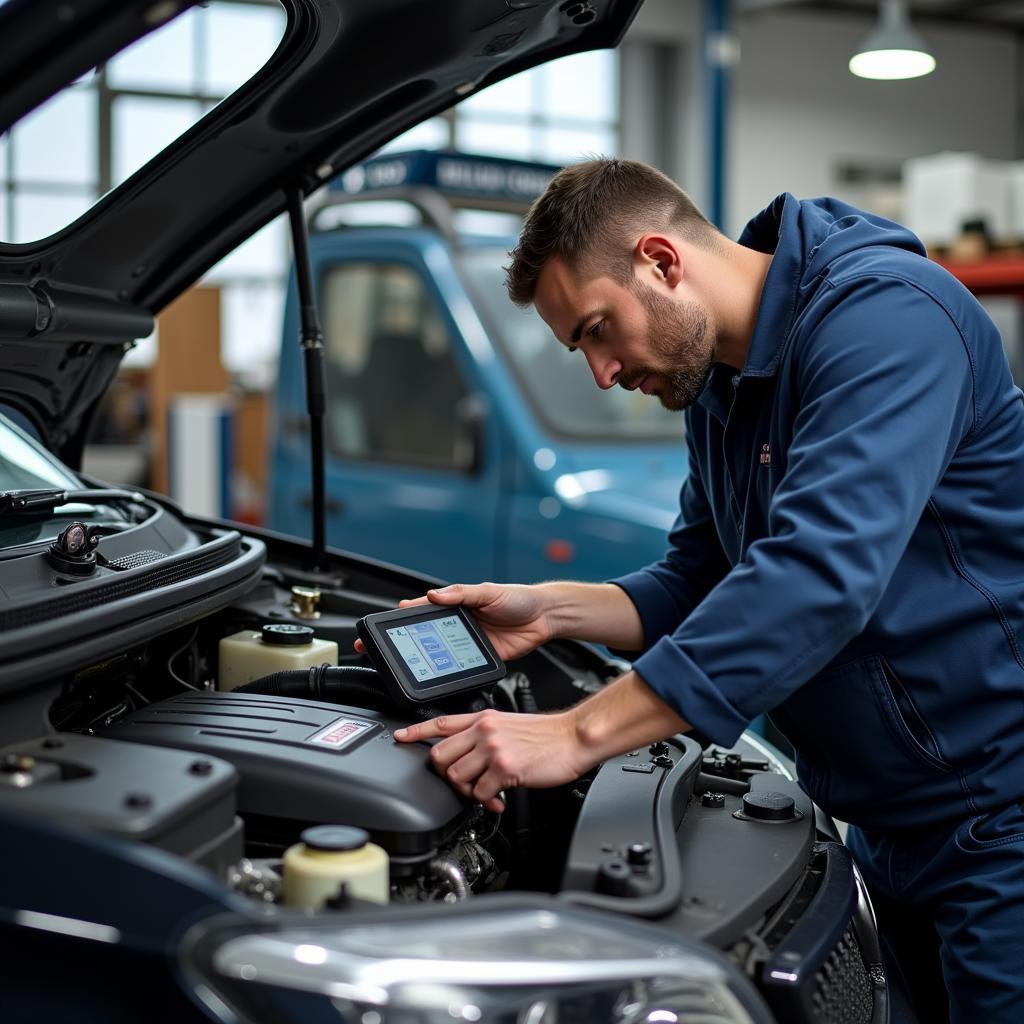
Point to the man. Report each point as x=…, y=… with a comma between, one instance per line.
x=849, y=555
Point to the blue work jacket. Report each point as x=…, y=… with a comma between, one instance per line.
x=850, y=549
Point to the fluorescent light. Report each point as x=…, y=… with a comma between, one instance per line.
x=889, y=65
x=892, y=50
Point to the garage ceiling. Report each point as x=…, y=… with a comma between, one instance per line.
x=993, y=14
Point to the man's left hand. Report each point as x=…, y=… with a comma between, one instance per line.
x=487, y=752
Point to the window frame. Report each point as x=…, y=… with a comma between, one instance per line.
x=469, y=467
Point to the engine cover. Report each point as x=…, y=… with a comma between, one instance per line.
x=165, y=798
x=307, y=761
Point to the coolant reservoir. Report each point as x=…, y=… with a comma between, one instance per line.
x=328, y=856
x=248, y=655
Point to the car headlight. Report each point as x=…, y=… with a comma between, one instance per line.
x=519, y=963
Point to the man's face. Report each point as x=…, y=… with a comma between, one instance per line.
x=631, y=335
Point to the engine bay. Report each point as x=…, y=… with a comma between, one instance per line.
x=143, y=745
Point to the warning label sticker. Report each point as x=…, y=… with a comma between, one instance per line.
x=340, y=733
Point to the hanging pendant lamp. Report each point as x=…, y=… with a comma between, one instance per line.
x=892, y=49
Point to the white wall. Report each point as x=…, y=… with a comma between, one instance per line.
x=798, y=113
x=661, y=114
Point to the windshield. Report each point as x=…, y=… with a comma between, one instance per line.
x=559, y=386
x=25, y=465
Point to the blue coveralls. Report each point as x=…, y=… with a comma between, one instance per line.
x=850, y=557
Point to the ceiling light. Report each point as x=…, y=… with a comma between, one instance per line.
x=892, y=49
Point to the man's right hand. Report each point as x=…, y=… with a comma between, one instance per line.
x=519, y=618
x=515, y=616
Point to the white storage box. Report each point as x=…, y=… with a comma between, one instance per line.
x=1016, y=175
x=943, y=191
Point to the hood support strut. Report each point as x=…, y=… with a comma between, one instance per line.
x=311, y=339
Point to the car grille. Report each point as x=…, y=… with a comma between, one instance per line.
x=843, y=992
x=133, y=561
x=824, y=964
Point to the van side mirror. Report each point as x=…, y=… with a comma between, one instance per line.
x=470, y=415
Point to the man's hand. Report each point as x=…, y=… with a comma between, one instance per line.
x=519, y=618
x=515, y=616
x=487, y=752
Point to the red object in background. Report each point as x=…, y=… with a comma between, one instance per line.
x=997, y=274
x=251, y=515
x=560, y=551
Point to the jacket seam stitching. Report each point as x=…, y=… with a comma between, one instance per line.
x=893, y=680
x=1015, y=837
x=968, y=795
x=891, y=868
x=962, y=572
x=900, y=726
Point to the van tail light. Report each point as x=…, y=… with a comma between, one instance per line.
x=559, y=551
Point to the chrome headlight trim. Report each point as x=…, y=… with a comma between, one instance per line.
x=494, y=959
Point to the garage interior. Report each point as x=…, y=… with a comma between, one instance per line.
x=737, y=100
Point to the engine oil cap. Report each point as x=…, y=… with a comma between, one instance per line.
x=767, y=805
x=335, y=838
x=286, y=634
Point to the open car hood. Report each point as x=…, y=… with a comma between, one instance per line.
x=347, y=76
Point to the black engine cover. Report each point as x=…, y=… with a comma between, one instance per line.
x=307, y=761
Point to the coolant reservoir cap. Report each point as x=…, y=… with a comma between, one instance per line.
x=286, y=634
x=335, y=838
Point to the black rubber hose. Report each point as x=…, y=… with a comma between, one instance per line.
x=348, y=684
x=525, y=698
x=313, y=682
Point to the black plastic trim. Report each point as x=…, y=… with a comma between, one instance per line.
x=147, y=577
x=673, y=789
x=122, y=622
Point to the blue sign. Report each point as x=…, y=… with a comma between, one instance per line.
x=478, y=177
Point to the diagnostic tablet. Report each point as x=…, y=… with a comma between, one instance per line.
x=429, y=651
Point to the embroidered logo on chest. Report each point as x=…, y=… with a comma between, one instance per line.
x=766, y=455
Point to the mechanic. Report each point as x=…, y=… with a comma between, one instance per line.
x=849, y=554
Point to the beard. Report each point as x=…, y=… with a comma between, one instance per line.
x=680, y=343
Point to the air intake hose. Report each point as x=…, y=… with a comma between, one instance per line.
x=346, y=684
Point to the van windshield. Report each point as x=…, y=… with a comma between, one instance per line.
x=558, y=384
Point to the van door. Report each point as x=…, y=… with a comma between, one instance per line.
x=412, y=473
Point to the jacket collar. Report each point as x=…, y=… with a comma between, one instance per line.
x=775, y=230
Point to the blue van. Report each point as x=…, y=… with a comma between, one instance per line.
x=461, y=438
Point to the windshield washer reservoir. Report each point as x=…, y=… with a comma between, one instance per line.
x=248, y=655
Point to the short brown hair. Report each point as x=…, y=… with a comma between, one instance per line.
x=591, y=214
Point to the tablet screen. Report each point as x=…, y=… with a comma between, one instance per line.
x=435, y=648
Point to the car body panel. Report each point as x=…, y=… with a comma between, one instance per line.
x=434, y=519
x=534, y=504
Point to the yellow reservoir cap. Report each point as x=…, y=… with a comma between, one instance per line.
x=329, y=856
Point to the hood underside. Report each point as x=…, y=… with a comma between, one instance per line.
x=347, y=76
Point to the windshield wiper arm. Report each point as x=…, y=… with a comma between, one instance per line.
x=42, y=501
